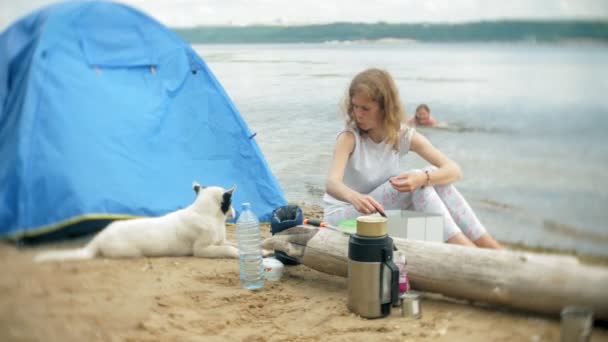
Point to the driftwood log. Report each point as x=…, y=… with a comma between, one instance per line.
x=535, y=282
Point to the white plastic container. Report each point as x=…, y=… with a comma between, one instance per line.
x=415, y=225
x=273, y=269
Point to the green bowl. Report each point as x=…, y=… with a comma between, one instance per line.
x=348, y=226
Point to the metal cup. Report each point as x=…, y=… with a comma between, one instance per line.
x=410, y=305
x=576, y=324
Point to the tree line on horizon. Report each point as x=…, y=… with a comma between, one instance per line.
x=513, y=30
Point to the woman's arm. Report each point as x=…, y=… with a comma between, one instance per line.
x=447, y=170
x=335, y=186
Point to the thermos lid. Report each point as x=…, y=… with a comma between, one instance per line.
x=371, y=226
x=370, y=249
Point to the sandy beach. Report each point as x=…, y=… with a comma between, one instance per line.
x=191, y=299
x=110, y=110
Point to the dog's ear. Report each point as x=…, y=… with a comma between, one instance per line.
x=196, y=187
x=227, y=200
x=231, y=190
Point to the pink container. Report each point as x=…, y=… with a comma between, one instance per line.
x=404, y=281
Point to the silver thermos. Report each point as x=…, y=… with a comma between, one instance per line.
x=373, y=277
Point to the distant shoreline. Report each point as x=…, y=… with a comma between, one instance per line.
x=485, y=31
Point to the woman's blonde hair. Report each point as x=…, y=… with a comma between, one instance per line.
x=380, y=87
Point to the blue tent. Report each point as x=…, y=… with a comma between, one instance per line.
x=107, y=114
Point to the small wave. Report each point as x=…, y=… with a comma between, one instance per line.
x=574, y=232
x=499, y=205
x=290, y=75
x=218, y=57
x=550, y=225
x=442, y=79
x=271, y=61
x=372, y=41
x=314, y=190
x=328, y=75
x=459, y=128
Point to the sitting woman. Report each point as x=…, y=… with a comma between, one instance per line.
x=422, y=117
x=365, y=177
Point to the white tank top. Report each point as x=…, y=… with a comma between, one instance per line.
x=371, y=164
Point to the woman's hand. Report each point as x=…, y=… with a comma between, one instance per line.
x=365, y=204
x=408, y=182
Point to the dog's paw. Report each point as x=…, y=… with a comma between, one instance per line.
x=267, y=253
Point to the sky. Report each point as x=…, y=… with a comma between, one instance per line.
x=187, y=13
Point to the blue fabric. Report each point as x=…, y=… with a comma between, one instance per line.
x=107, y=112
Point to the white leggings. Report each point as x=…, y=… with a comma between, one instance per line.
x=438, y=199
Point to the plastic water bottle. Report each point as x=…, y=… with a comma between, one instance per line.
x=250, y=249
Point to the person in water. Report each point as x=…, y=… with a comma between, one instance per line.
x=423, y=117
x=365, y=175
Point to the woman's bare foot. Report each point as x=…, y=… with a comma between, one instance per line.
x=487, y=241
x=461, y=239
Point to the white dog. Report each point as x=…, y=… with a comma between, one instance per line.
x=199, y=230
